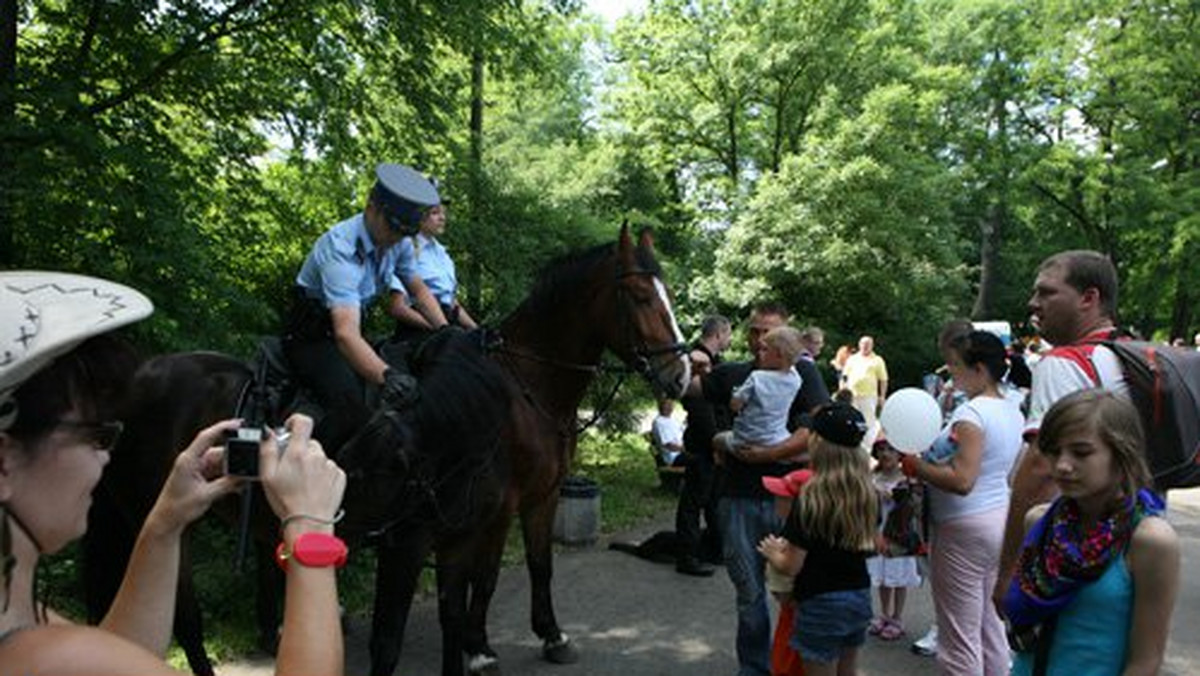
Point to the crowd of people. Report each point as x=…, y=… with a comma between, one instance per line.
x=1047, y=546
x=1024, y=428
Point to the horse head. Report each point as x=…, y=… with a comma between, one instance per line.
x=645, y=334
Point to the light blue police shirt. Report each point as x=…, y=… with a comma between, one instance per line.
x=425, y=257
x=346, y=268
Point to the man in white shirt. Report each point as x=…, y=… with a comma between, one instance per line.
x=668, y=433
x=1074, y=304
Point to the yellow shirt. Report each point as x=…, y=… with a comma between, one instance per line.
x=863, y=374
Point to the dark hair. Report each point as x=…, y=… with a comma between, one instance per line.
x=812, y=334
x=1113, y=419
x=1085, y=270
x=951, y=331
x=981, y=347
x=713, y=324
x=771, y=308
x=92, y=379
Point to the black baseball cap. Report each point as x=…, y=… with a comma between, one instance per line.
x=840, y=423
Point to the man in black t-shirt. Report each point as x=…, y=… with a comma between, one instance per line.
x=698, y=496
x=746, y=511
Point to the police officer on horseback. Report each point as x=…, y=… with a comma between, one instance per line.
x=426, y=269
x=351, y=264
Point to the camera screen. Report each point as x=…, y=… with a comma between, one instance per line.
x=241, y=452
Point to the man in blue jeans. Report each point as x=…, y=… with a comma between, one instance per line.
x=746, y=511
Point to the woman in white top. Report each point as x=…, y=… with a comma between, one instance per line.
x=967, y=472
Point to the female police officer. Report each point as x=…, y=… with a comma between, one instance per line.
x=428, y=273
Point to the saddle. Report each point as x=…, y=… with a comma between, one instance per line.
x=273, y=392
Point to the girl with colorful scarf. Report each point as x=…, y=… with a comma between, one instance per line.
x=1099, y=565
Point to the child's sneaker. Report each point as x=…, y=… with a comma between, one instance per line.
x=926, y=646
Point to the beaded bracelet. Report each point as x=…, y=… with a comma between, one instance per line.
x=283, y=524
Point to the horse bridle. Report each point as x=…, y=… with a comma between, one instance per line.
x=643, y=354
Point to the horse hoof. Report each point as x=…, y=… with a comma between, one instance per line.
x=561, y=651
x=483, y=665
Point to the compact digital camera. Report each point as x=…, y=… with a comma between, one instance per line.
x=241, y=451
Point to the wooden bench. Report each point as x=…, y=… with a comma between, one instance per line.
x=670, y=477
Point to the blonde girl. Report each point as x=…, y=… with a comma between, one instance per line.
x=825, y=543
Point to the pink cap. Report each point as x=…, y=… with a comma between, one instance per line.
x=788, y=485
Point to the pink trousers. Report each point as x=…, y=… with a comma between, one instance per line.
x=963, y=565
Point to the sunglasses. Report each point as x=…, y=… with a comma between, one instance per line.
x=103, y=436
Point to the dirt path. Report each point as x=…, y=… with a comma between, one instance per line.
x=631, y=617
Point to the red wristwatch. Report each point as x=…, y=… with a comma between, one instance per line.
x=313, y=550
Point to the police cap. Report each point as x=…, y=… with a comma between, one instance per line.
x=403, y=194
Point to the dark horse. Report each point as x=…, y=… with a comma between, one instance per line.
x=491, y=437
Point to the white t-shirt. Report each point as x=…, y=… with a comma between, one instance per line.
x=667, y=431
x=767, y=397
x=1001, y=423
x=1056, y=376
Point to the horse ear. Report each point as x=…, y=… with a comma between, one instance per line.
x=646, y=239
x=625, y=245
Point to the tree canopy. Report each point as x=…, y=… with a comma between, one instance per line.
x=879, y=166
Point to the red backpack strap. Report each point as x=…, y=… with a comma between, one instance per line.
x=1081, y=355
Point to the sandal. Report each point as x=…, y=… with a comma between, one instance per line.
x=876, y=625
x=892, y=630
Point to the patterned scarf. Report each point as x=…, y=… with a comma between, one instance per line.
x=1059, y=556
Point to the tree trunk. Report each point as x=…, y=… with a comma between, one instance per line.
x=8, y=107
x=989, y=262
x=1185, y=298
x=474, y=268
x=991, y=229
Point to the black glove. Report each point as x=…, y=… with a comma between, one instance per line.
x=400, y=390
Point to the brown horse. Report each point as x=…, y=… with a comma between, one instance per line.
x=609, y=297
x=491, y=437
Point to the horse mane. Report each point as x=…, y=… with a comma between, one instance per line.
x=457, y=427
x=460, y=384
x=558, y=279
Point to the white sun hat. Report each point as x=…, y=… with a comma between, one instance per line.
x=43, y=315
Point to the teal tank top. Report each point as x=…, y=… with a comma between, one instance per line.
x=1092, y=637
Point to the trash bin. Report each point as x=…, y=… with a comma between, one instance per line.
x=577, y=521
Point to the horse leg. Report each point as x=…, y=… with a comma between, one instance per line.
x=481, y=659
x=453, y=576
x=269, y=582
x=537, y=523
x=398, y=566
x=189, y=619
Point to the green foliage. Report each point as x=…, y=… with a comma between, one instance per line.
x=877, y=165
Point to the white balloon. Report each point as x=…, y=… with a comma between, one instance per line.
x=911, y=420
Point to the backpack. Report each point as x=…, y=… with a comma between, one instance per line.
x=1164, y=385
x=904, y=527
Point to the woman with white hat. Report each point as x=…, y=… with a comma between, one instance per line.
x=59, y=374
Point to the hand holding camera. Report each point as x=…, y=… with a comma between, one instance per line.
x=301, y=479
x=242, y=447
